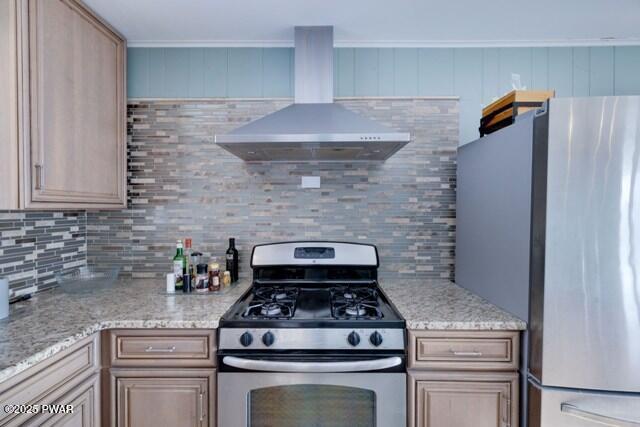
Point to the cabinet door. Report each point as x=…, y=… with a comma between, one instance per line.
x=9, y=171
x=86, y=407
x=75, y=130
x=463, y=404
x=157, y=402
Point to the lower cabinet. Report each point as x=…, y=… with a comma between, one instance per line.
x=159, y=378
x=463, y=400
x=167, y=398
x=463, y=378
x=70, y=377
x=85, y=400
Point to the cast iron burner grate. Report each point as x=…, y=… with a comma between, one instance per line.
x=272, y=302
x=350, y=302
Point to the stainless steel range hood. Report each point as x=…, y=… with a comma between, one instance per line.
x=313, y=128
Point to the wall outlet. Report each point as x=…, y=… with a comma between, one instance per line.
x=310, y=182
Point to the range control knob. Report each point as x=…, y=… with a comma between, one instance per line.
x=246, y=339
x=268, y=338
x=353, y=338
x=376, y=338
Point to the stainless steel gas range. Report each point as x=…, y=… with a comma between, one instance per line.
x=313, y=342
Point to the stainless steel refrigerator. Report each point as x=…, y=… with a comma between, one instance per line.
x=548, y=227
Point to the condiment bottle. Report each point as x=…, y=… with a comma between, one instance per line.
x=186, y=283
x=214, y=277
x=179, y=265
x=226, y=279
x=195, y=259
x=232, y=260
x=202, y=280
x=189, y=266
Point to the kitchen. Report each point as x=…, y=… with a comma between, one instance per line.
x=393, y=266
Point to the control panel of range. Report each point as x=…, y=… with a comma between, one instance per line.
x=311, y=339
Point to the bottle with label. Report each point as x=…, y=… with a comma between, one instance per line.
x=232, y=260
x=202, y=279
x=179, y=265
x=196, y=259
x=190, y=267
x=214, y=277
x=226, y=279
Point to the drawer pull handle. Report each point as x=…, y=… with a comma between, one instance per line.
x=201, y=399
x=466, y=353
x=38, y=179
x=507, y=416
x=150, y=349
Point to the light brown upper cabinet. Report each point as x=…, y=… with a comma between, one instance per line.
x=62, y=89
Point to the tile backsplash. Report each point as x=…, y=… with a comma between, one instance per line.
x=182, y=185
x=36, y=245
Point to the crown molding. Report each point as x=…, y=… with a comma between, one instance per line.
x=392, y=43
x=290, y=98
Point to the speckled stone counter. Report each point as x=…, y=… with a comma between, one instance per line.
x=440, y=305
x=53, y=321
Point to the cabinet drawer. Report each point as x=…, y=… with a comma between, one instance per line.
x=151, y=348
x=47, y=382
x=465, y=350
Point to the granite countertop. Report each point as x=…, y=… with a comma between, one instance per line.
x=53, y=321
x=444, y=305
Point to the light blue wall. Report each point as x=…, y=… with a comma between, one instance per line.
x=476, y=75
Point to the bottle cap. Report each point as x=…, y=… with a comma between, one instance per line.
x=187, y=242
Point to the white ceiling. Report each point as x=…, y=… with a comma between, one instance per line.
x=375, y=22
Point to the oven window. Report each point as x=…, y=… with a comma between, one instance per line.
x=312, y=405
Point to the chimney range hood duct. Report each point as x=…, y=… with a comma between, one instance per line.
x=313, y=128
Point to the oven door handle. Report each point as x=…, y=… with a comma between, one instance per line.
x=271, y=366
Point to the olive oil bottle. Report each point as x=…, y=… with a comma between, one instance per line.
x=179, y=265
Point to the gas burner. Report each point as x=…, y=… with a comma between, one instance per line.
x=271, y=309
x=275, y=293
x=272, y=302
x=355, y=310
x=351, y=302
x=352, y=293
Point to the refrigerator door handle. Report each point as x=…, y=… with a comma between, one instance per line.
x=600, y=418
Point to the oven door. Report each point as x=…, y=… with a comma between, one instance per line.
x=264, y=393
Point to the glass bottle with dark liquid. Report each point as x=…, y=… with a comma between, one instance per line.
x=232, y=260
